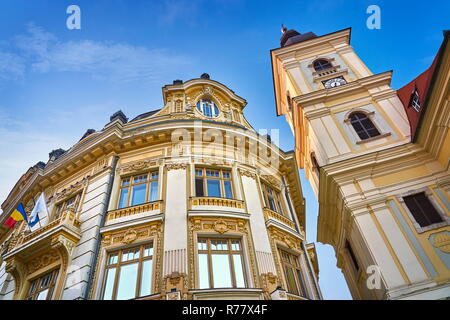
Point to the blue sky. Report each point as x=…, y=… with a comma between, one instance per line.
x=55, y=83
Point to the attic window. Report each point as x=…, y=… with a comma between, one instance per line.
x=415, y=101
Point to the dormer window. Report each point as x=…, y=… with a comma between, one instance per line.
x=415, y=101
x=321, y=64
x=207, y=108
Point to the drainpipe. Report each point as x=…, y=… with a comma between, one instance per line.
x=102, y=223
x=311, y=270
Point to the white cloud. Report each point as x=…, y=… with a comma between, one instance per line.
x=12, y=66
x=41, y=51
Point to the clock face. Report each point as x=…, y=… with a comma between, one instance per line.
x=335, y=82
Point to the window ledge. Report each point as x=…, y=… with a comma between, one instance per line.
x=431, y=226
x=227, y=293
x=381, y=136
x=218, y=202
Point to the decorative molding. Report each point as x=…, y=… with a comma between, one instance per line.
x=130, y=235
x=70, y=191
x=129, y=211
x=442, y=241
x=222, y=202
x=272, y=180
x=138, y=165
x=247, y=173
x=176, y=166
x=269, y=283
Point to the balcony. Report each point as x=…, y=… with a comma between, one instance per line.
x=144, y=210
x=27, y=254
x=270, y=215
x=67, y=227
x=216, y=204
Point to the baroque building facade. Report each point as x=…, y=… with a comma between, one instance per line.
x=378, y=160
x=185, y=202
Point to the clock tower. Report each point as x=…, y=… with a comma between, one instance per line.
x=383, y=195
x=336, y=107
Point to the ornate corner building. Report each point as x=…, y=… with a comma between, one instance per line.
x=185, y=202
x=378, y=160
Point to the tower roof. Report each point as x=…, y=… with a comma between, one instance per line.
x=292, y=36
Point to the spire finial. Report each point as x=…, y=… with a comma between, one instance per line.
x=283, y=28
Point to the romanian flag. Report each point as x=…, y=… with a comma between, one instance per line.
x=17, y=215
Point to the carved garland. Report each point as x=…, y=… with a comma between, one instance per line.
x=247, y=173
x=136, y=166
x=68, y=192
x=176, y=166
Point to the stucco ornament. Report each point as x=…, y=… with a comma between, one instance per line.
x=221, y=226
x=129, y=236
x=442, y=241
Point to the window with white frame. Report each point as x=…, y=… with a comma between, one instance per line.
x=207, y=108
x=128, y=273
x=213, y=183
x=415, y=101
x=220, y=263
x=138, y=189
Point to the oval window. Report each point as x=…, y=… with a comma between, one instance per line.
x=207, y=108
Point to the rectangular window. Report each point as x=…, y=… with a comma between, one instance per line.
x=352, y=255
x=128, y=273
x=138, y=189
x=71, y=202
x=220, y=263
x=42, y=287
x=293, y=274
x=213, y=183
x=422, y=209
x=272, y=199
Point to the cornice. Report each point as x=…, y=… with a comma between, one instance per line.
x=350, y=88
x=193, y=82
x=341, y=36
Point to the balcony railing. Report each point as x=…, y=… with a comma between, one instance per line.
x=291, y=296
x=219, y=202
x=269, y=214
x=129, y=211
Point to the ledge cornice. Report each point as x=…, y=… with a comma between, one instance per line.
x=350, y=88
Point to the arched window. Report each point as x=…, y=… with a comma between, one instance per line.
x=321, y=64
x=363, y=126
